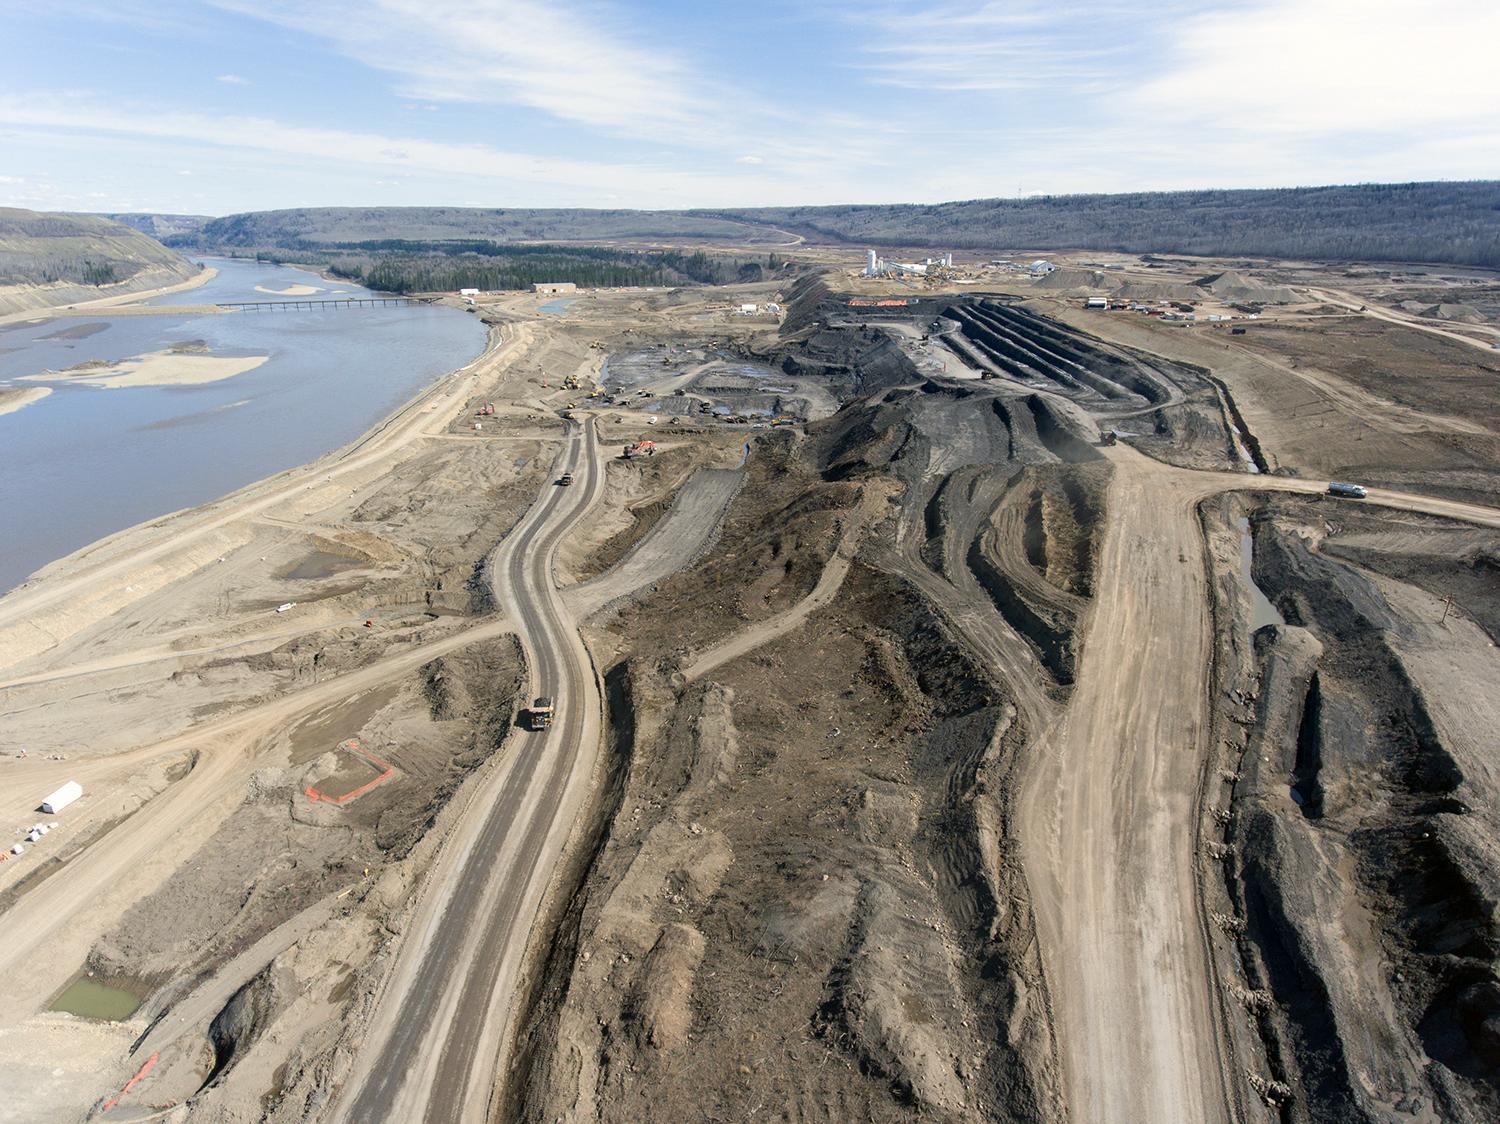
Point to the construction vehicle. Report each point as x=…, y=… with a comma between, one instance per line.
x=566, y=479
x=541, y=712
x=1348, y=491
x=485, y=411
x=640, y=449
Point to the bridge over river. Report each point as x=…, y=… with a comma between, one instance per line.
x=347, y=302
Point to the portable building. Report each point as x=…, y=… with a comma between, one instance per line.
x=60, y=799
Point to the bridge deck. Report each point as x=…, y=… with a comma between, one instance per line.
x=347, y=302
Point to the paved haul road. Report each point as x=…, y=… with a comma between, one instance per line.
x=435, y=1042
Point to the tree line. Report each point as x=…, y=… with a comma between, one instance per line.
x=424, y=266
x=1433, y=222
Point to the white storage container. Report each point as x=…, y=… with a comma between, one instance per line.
x=60, y=799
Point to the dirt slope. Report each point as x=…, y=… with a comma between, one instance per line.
x=48, y=260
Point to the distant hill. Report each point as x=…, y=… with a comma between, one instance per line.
x=161, y=226
x=360, y=227
x=48, y=260
x=1437, y=222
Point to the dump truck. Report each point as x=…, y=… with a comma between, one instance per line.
x=541, y=712
x=566, y=479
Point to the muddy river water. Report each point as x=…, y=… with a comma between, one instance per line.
x=89, y=460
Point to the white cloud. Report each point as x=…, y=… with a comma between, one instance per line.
x=578, y=62
x=1062, y=46
x=1326, y=66
x=232, y=80
x=749, y=160
x=581, y=61
x=336, y=153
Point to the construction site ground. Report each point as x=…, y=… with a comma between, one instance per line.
x=937, y=768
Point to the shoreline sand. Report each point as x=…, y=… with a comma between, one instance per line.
x=14, y=398
x=293, y=290
x=157, y=368
x=203, y=277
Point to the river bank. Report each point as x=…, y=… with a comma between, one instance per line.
x=198, y=404
x=45, y=310
x=14, y=399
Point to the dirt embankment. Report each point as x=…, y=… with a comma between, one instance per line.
x=1359, y=818
x=803, y=891
x=792, y=898
x=331, y=832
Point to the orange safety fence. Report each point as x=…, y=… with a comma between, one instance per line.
x=387, y=771
x=129, y=1085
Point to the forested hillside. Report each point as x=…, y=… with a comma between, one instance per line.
x=55, y=259
x=402, y=267
x=321, y=227
x=1439, y=222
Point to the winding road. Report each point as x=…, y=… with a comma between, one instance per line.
x=440, y=1026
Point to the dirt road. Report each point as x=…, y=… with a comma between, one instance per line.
x=35, y=929
x=1109, y=810
x=827, y=587
x=1108, y=821
x=1405, y=319
x=682, y=533
x=435, y=1042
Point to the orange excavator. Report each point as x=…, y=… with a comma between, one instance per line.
x=640, y=449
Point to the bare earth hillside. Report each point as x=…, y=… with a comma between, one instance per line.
x=48, y=260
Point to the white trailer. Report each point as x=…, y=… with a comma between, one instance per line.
x=60, y=799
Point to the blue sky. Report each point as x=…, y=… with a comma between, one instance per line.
x=230, y=105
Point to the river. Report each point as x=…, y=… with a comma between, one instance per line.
x=87, y=461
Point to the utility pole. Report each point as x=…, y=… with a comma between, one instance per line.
x=1447, y=605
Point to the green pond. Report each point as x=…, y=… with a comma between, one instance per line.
x=94, y=1000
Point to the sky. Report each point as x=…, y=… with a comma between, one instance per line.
x=220, y=106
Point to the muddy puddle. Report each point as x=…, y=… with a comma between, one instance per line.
x=326, y=729
x=1262, y=611
x=320, y=564
x=90, y=999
